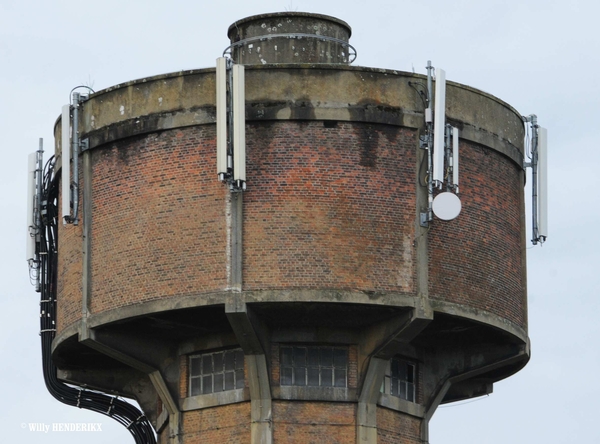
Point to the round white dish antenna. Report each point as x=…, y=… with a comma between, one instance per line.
x=446, y=206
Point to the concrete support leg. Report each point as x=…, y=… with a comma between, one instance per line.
x=170, y=406
x=127, y=356
x=366, y=415
x=260, y=395
x=382, y=341
x=249, y=332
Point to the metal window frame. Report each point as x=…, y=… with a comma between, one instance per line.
x=389, y=379
x=200, y=375
x=319, y=366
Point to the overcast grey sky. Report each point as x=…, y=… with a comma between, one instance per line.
x=541, y=57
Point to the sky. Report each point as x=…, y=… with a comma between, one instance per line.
x=542, y=57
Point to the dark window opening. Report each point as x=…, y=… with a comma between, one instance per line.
x=216, y=372
x=400, y=379
x=314, y=366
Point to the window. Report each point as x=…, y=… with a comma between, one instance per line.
x=400, y=379
x=314, y=366
x=216, y=372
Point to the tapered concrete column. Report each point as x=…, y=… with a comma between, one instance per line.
x=247, y=329
x=366, y=415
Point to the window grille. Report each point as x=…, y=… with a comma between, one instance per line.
x=400, y=379
x=314, y=366
x=216, y=372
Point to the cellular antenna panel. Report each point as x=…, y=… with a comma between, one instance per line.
x=542, y=182
x=66, y=162
x=439, y=123
x=221, y=82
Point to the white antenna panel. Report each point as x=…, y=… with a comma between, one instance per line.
x=221, y=81
x=439, y=123
x=542, y=182
x=446, y=206
x=66, y=162
x=455, y=158
x=239, y=124
x=31, y=187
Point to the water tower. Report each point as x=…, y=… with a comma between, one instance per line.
x=282, y=249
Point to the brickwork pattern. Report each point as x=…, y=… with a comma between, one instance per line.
x=476, y=259
x=228, y=424
x=314, y=422
x=275, y=364
x=69, y=273
x=329, y=205
x=353, y=366
x=184, y=376
x=159, y=226
x=335, y=214
x=397, y=428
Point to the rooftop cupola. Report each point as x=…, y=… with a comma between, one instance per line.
x=290, y=37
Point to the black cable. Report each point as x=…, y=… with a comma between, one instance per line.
x=423, y=96
x=423, y=171
x=414, y=85
x=121, y=411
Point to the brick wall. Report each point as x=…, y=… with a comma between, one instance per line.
x=476, y=259
x=69, y=273
x=314, y=422
x=228, y=424
x=184, y=375
x=338, y=213
x=159, y=227
x=329, y=205
x=397, y=428
x=333, y=214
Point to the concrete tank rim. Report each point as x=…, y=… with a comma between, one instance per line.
x=358, y=298
x=141, y=80
x=323, y=66
x=289, y=14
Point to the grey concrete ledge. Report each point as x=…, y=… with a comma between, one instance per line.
x=322, y=66
x=151, y=123
x=214, y=399
x=401, y=405
x=331, y=295
x=296, y=92
x=293, y=14
x=400, y=300
x=482, y=316
x=66, y=333
x=219, y=298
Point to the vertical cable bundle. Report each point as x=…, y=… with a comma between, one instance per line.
x=119, y=410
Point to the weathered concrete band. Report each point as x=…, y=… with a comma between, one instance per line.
x=296, y=92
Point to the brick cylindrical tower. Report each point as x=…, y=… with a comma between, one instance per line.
x=314, y=306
